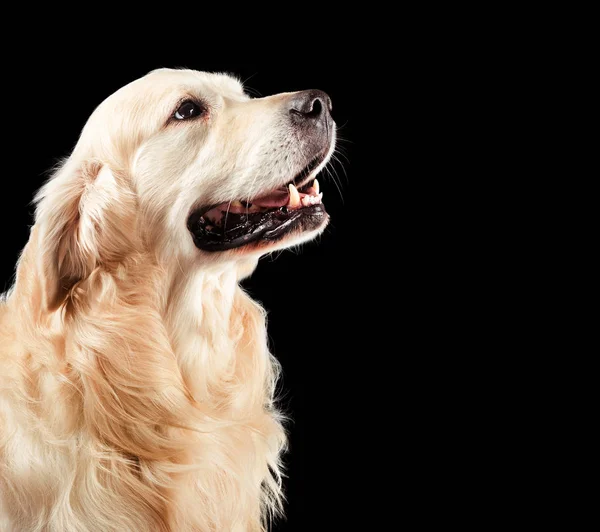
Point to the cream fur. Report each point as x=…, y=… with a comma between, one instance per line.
x=137, y=388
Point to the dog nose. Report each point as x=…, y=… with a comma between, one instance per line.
x=310, y=105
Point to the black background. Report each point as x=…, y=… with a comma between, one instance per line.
x=311, y=296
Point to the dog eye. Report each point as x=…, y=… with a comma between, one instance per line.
x=188, y=110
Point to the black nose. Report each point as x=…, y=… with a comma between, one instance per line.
x=310, y=105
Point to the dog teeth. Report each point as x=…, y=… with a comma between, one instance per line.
x=307, y=200
x=294, y=200
x=311, y=197
x=315, y=185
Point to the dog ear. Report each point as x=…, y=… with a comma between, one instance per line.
x=84, y=222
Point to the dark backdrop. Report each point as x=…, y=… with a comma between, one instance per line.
x=310, y=295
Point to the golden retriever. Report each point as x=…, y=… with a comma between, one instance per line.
x=136, y=384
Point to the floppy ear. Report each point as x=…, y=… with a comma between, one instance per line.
x=85, y=220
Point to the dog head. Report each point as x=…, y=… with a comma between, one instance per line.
x=186, y=166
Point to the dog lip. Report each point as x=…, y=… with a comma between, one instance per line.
x=196, y=213
x=303, y=177
x=268, y=227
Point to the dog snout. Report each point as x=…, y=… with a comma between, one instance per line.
x=310, y=107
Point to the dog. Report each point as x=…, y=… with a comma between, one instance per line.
x=137, y=390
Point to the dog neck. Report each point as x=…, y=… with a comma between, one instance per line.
x=218, y=334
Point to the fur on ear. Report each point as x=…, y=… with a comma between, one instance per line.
x=86, y=219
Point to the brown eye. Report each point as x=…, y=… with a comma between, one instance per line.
x=188, y=110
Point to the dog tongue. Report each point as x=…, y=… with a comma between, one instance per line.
x=279, y=198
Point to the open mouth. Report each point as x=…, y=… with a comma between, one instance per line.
x=266, y=219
